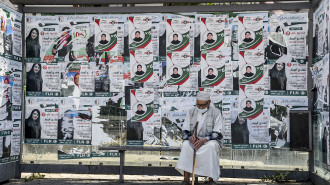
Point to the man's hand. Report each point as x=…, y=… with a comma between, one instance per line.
x=199, y=143
x=193, y=139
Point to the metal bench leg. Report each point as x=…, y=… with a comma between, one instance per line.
x=122, y=164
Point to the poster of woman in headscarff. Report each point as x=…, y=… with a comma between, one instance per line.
x=41, y=120
x=41, y=34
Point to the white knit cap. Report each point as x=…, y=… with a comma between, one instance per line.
x=202, y=95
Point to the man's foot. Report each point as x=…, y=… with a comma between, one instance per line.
x=185, y=183
x=212, y=183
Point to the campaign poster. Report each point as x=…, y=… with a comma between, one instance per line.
x=17, y=37
x=180, y=101
x=279, y=104
x=142, y=104
x=320, y=73
x=250, y=32
x=86, y=78
x=295, y=28
x=16, y=139
x=178, y=35
x=41, y=120
x=117, y=82
x=41, y=38
x=213, y=69
x=229, y=113
x=5, y=141
x=74, y=38
x=101, y=82
x=70, y=81
x=66, y=152
x=140, y=32
x=321, y=19
x=142, y=65
x=227, y=85
x=11, y=73
x=171, y=129
x=251, y=65
x=6, y=103
x=152, y=131
x=106, y=31
x=212, y=33
x=251, y=133
x=178, y=68
x=251, y=101
x=106, y=127
x=3, y=18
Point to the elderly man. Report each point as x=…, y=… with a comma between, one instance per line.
x=207, y=144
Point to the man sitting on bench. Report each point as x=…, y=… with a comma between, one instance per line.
x=207, y=144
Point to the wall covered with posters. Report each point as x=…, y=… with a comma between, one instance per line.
x=320, y=74
x=95, y=80
x=10, y=85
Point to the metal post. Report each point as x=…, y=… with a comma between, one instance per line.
x=18, y=166
x=122, y=164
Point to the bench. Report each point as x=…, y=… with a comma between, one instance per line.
x=122, y=150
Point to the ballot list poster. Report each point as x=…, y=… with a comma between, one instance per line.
x=279, y=104
x=213, y=69
x=251, y=67
x=321, y=18
x=142, y=65
x=212, y=33
x=250, y=32
x=140, y=32
x=41, y=36
x=106, y=31
x=178, y=68
x=41, y=120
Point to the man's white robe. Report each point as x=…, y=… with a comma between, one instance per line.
x=207, y=156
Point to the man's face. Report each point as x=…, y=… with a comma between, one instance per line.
x=137, y=35
x=139, y=68
x=36, y=68
x=175, y=71
x=210, y=72
x=279, y=66
x=209, y=37
x=35, y=115
x=202, y=104
x=248, y=70
x=139, y=107
x=248, y=104
x=175, y=37
x=247, y=35
x=103, y=37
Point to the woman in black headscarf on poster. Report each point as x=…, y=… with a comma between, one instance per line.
x=278, y=77
x=32, y=44
x=32, y=125
x=34, y=78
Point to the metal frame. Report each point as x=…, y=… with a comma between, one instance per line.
x=99, y=169
x=99, y=2
x=165, y=9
